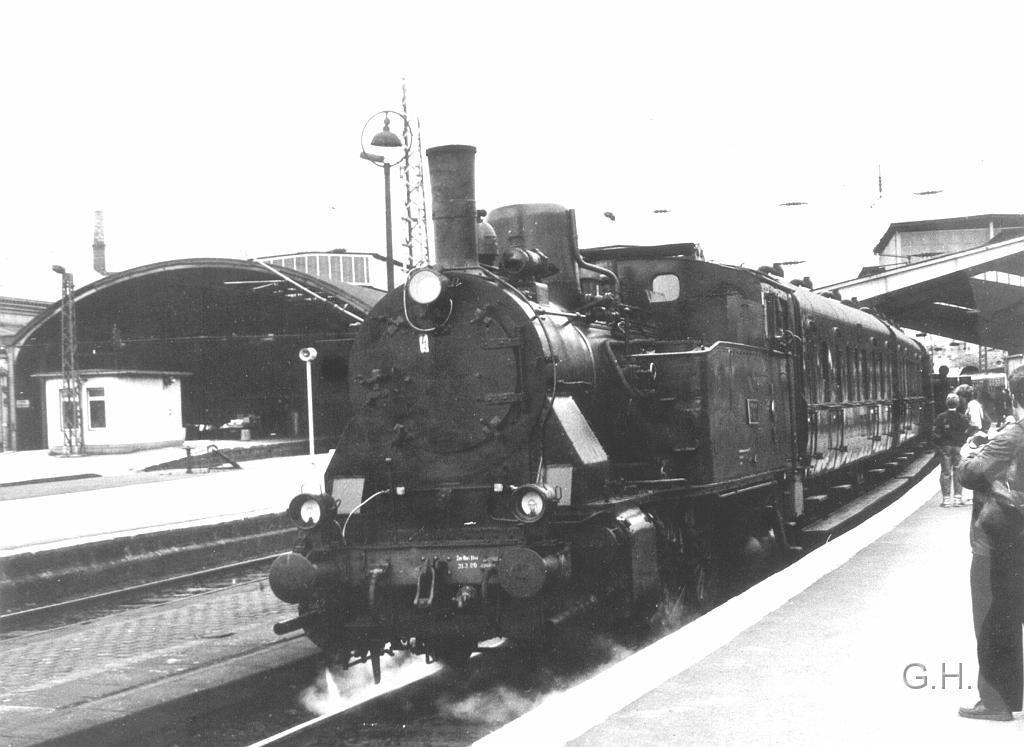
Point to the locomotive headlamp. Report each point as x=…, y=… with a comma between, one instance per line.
x=426, y=285
x=530, y=502
x=308, y=511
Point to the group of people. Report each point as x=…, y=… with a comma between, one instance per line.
x=994, y=470
x=963, y=423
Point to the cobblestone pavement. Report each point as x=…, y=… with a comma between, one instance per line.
x=60, y=669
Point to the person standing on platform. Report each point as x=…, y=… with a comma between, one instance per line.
x=975, y=413
x=949, y=433
x=940, y=390
x=995, y=471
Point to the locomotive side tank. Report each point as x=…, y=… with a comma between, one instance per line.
x=550, y=435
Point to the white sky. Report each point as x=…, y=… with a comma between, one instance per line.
x=230, y=129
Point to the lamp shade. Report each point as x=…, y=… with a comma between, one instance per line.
x=386, y=138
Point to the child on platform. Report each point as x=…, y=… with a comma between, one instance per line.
x=951, y=429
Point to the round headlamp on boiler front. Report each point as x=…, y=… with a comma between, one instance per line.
x=530, y=502
x=308, y=511
x=426, y=285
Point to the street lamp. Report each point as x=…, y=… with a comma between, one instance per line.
x=392, y=145
x=307, y=356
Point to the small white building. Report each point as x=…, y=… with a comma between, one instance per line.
x=122, y=411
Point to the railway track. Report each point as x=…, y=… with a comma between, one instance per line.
x=81, y=609
x=417, y=703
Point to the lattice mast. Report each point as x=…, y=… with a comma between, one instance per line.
x=99, y=245
x=417, y=243
x=71, y=389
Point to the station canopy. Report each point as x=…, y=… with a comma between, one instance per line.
x=976, y=295
x=235, y=326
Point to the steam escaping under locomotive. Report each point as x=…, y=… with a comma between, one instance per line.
x=544, y=435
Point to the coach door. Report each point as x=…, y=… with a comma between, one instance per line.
x=791, y=418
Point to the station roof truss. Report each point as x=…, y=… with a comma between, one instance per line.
x=207, y=299
x=235, y=327
x=975, y=295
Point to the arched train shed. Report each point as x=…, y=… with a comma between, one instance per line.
x=233, y=326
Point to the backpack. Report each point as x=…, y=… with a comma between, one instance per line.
x=950, y=429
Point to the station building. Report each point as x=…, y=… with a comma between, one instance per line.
x=15, y=313
x=194, y=349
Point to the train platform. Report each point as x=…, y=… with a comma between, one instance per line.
x=49, y=502
x=867, y=640
x=38, y=466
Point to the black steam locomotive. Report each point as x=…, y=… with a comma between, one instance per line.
x=544, y=435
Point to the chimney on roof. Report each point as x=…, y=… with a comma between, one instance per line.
x=99, y=246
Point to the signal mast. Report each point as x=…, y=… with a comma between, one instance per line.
x=71, y=388
x=416, y=243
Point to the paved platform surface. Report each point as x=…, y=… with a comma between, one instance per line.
x=71, y=517
x=41, y=465
x=846, y=647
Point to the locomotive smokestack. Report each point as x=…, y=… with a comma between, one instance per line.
x=453, y=198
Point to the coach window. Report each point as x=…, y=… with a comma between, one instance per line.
x=865, y=374
x=874, y=374
x=810, y=370
x=851, y=380
x=97, y=407
x=855, y=374
x=823, y=366
x=840, y=384
x=664, y=288
x=883, y=369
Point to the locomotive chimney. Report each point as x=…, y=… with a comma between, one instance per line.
x=453, y=205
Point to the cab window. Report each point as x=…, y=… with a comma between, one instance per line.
x=664, y=288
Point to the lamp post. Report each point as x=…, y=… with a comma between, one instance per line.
x=307, y=356
x=388, y=142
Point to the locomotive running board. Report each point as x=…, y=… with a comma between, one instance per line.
x=819, y=532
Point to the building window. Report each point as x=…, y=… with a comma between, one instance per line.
x=355, y=270
x=361, y=265
x=97, y=407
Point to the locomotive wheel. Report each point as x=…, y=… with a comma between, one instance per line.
x=453, y=652
x=704, y=585
x=704, y=574
x=375, y=665
x=671, y=612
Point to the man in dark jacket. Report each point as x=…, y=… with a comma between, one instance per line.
x=995, y=472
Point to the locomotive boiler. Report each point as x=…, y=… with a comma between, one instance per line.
x=543, y=435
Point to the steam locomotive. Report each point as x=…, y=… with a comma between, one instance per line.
x=544, y=435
